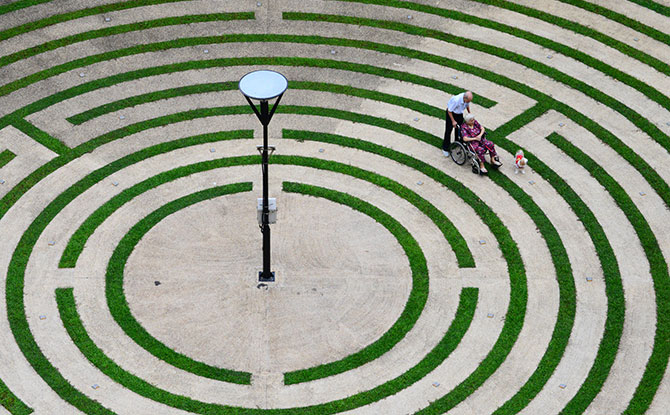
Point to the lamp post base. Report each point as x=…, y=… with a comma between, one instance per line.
x=266, y=278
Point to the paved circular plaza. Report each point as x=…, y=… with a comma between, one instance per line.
x=405, y=284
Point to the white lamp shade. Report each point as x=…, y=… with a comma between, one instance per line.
x=263, y=84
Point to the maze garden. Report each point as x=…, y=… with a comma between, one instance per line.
x=129, y=245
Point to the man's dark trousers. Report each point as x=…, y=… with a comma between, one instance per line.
x=447, y=131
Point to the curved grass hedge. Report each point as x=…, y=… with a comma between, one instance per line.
x=658, y=361
x=567, y=300
x=640, y=164
x=119, y=29
x=118, y=305
x=120, y=310
x=613, y=289
x=20, y=4
x=5, y=157
x=458, y=328
x=76, y=243
x=134, y=330
x=655, y=6
x=614, y=324
x=518, y=286
x=78, y=240
x=641, y=122
x=517, y=274
x=65, y=17
x=11, y=402
x=77, y=400
x=418, y=106
x=656, y=182
x=452, y=235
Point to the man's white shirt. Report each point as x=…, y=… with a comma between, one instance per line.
x=457, y=105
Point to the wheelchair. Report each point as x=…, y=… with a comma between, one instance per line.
x=461, y=151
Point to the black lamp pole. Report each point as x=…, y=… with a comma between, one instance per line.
x=264, y=85
x=265, y=115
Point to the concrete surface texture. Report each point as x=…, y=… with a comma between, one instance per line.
x=113, y=110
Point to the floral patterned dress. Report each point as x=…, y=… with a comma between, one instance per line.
x=479, y=147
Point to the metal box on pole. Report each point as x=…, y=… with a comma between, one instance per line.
x=272, y=210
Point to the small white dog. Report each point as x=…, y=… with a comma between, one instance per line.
x=520, y=162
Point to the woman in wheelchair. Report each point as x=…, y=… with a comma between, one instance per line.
x=475, y=135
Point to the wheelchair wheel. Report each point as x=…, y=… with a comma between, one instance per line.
x=458, y=153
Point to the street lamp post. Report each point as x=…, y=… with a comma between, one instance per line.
x=264, y=85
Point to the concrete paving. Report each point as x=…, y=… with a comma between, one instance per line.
x=343, y=279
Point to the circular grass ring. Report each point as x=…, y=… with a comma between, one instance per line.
x=608, y=313
x=458, y=328
x=512, y=326
x=118, y=305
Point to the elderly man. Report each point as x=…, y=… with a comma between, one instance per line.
x=455, y=108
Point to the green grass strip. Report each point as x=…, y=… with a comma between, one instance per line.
x=226, y=62
x=92, y=113
x=641, y=165
x=382, y=218
x=459, y=326
x=40, y=136
x=20, y=4
x=518, y=122
x=620, y=18
x=134, y=330
x=518, y=288
x=5, y=157
x=356, y=118
x=244, y=109
x=613, y=286
x=652, y=5
x=120, y=29
x=415, y=302
x=18, y=324
x=566, y=312
x=450, y=232
x=565, y=319
x=652, y=177
x=27, y=183
x=16, y=271
x=196, y=41
x=418, y=106
x=15, y=276
x=11, y=402
x=120, y=309
x=463, y=254
x=582, y=30
x=78, y=240
x=60, y=18
x=125, y=320
x=658, y=361
x=644, y=124
x=13, y=195
x=75, y=327
x=438, y=354
x=118, y=304
x=649, y=173
x=126, y=246
x=567, y=297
